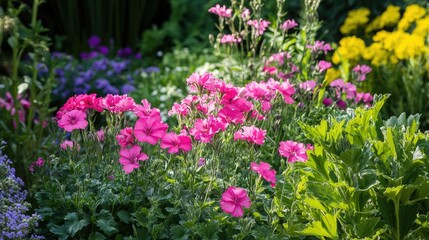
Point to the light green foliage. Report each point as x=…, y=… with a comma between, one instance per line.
x=367, y=175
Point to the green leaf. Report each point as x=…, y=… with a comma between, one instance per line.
x=179, y=233
x=73, y=223
x=367, y=228
x=390, y=142
x=314, y=203
x=208, y=230
x=96, y=236
x=124, y=216
x=106, y=222
x=60, y=231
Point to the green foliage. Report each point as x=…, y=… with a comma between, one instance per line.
x=367, y=175
x=25, y=98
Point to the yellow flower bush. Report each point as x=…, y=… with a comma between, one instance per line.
x=405, y=41
x=355, y=19
x=411, y=14
x=396, y=45
x=350, y=49
x=388, y=18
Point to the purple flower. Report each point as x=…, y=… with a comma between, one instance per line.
x=14, y=222
x=93, y=41
x=361, y=71
x=124, y=52
x=104, y=50
x=127, y=88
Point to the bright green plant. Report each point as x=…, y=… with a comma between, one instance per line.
x=366, y=178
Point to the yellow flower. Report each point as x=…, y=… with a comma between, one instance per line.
x=377, y=54
x=422, y=27
x=410, y=46
x=355, y=19
x=411, y=14
x=350, y=49
x=380, y=36
x=388, y=18
x=332, y=74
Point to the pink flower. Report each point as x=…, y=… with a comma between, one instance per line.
x=174, y=143
x=361, y=71
x=126, y=137
x=278, y=58
x=233, y=200
x=197, y=82
x=229, y=38
x=129, y=158
x=251, y=134
x=341, y=104
x=320, y=46
x=39, y=163
x=288, y=24
x=287, y=90
x=81, y=102
x=265, y=171
x=100, y=135
x=327, y=101
x=259, y=26
x=364, y=97
x=221, y=11
x=117, y=103
x=67, y=144
x=245, y=15
x=293, y=151
x=74, y=119
x=205, y=129
x=323, y=65
x=201, y=162
x=308, y=85
x=145, y=110
x=150, y=130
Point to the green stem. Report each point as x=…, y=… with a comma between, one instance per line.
x=398, y=231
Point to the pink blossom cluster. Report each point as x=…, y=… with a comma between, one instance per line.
x=38, y=164
x=320, y=46
x=149, y=128
x=229, y=38
x=72, y=115
x=278, y=61
x=362, y=71
x=221, y=11
x=8, y=104
x=221, y=104
x=251, y=134
x=259, y=25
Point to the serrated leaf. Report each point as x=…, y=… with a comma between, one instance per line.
x=314, y=203
x=367, y=228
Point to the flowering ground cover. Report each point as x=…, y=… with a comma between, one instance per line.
x=270, y=134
